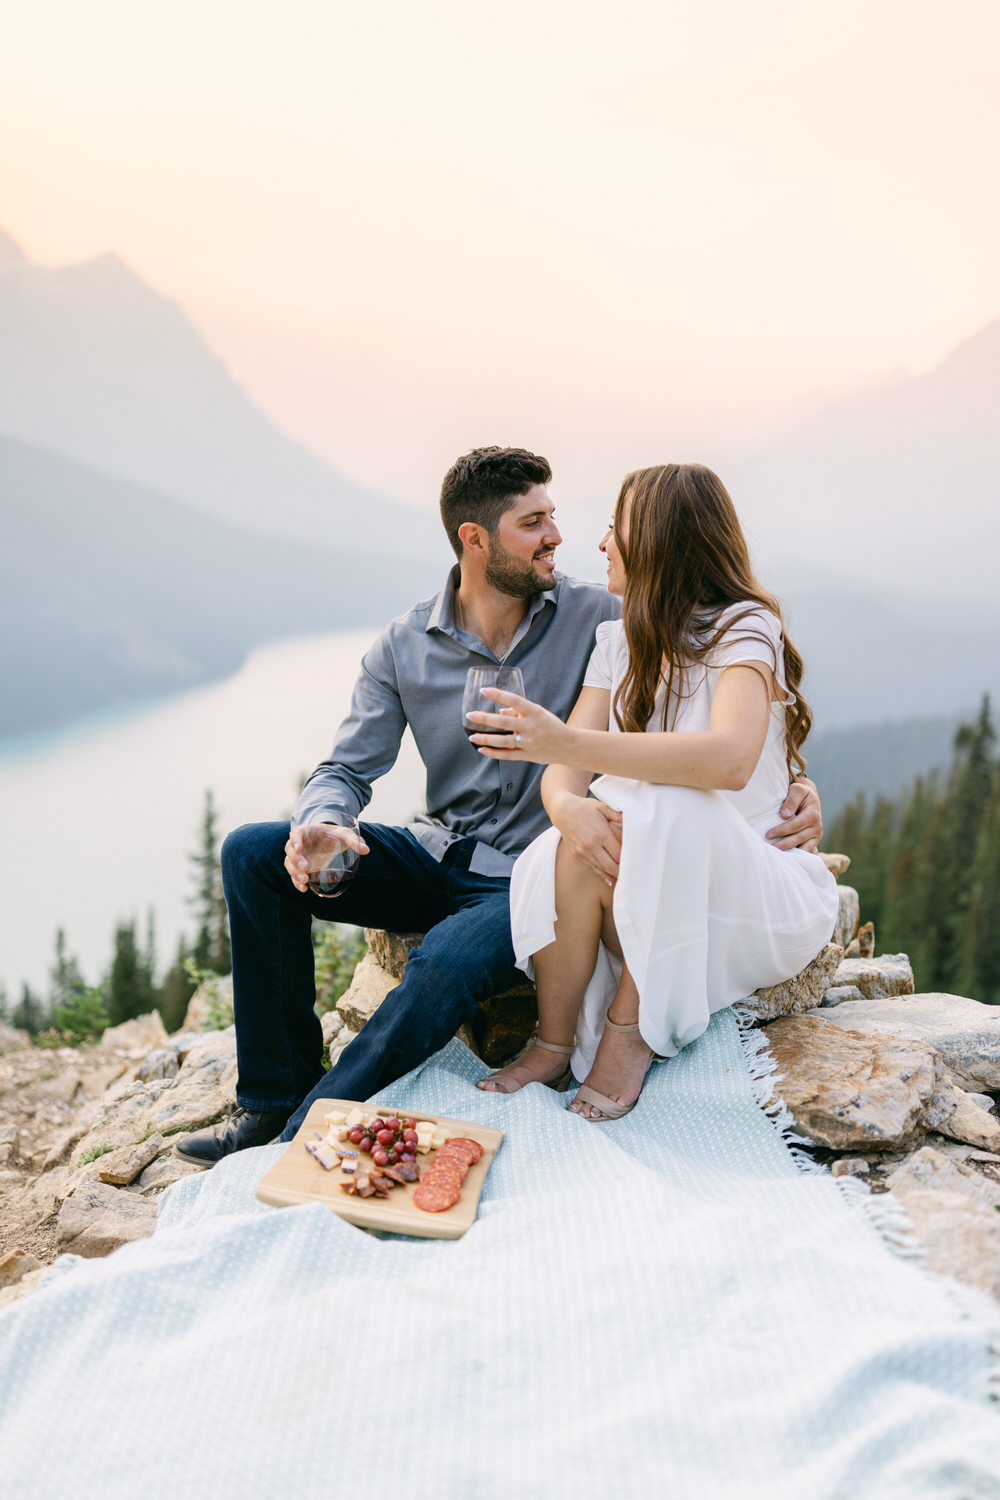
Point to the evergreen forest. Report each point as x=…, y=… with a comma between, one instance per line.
x=926, y=866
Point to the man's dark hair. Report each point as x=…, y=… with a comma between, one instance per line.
x=481, y=485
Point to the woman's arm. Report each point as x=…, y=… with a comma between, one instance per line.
x=590, y=828
x=723, y=756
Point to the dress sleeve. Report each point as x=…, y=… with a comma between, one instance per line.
x=754, y=637
x=598, y=673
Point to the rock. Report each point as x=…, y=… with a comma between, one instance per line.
x=848, y=916
x=802, y=992
x=162, y=1062
x=97, y=1218
x=12, y=1040
x=504, y=1024
x=837, y=864
x=841, y=992
x=124, y=1165
x=984, y=1101
x=877, y=977
x=94, y=1084
x=58, y=1090
x=850, y=1166
x=332, y=1023
x=390, y=950
x=953, y=1211
x=62, y=1146
x=369, y=987
x=6, y=1152
x=863, y=945
x=167, y=1169
x=22, y=1288
x=15, y=1265
x=930, y=1168
x=847, y=1089
x=970, y=1123
x=143, y=1031
x=965, y=1032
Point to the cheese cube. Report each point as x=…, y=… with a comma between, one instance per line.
x=356, y=1117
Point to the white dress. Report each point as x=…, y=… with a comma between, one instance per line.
x=706, y=910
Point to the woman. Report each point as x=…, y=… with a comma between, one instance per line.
x=654, y=899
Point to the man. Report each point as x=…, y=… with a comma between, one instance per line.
x=448, y=874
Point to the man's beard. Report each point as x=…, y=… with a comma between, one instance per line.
x=508, y=575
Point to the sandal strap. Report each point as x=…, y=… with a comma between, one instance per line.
x=613, y=1025
x=554, y=1047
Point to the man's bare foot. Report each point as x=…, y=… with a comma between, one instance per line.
x=618, y=1072
x=538, y=1065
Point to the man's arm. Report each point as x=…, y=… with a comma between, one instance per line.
x=803, y=815
x=365, y=747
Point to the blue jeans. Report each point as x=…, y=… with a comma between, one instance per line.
x=466, y=957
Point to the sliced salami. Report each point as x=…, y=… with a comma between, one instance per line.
x=451, y=1173
x=434, y=1199
x=469, y=1151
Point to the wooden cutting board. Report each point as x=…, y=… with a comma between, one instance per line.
x=297, y=1178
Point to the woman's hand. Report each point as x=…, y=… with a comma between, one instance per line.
x=591, y=830
x=540, y=736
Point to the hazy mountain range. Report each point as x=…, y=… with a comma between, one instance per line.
x=137, y=483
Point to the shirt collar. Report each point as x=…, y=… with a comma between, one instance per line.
x=442, y=616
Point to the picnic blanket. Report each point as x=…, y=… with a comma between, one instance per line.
x=663, y=1306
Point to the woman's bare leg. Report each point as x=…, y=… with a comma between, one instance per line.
x=563, y=969
x=622, y=1059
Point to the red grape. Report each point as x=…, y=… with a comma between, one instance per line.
x=365, y=1143
x=385, y=1136
x=391, y=1158
x=376, y=1126
x=410, y=1137
x=380, y=1157
x=410, y=1156
x=355, y=1135
x=392, y=1123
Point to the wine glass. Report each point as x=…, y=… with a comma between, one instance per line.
x=339, y=861
x=507, y=679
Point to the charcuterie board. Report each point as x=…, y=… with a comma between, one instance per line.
x=298, y=1178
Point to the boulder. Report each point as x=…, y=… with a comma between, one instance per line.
x=877, y=977
x=837, y=864
x=965, y=1032
x=841, y=992
x=847, y=1090
x=390, y=950
x=141, y=1031
x=848, y=916
x=802, y=992
x=953, y=1212
x=167, y=1169
x=863, y=945
x=971, y=1123
x=332, y=1023
x=12, y=1040
x=98, y=1218
x=369, y=987
x=22, y=1288
x=15, y=1265
x=124, y=1165
x=162, y=1062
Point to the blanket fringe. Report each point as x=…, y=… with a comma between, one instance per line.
x=764, y=1078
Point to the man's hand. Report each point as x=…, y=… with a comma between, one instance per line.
x=310, y=845
x=592, y=832
x=803, y=825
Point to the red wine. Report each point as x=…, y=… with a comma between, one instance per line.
x=334, y=879
x=472, y=729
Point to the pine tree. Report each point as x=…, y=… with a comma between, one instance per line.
x=979, y=959
x=211, y=949
x=65, y=980
x=29, y=1013
x=175, y=991
x=129, y=986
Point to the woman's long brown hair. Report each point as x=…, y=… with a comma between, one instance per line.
x=686, y=561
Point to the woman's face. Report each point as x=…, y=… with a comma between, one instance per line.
x=609, y=546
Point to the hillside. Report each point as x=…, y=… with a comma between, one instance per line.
x=110, y=591
x=96, y=365
x=897, y=487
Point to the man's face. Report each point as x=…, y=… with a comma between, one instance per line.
x=521, y=559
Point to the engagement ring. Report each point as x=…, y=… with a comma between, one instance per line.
x=517, y=739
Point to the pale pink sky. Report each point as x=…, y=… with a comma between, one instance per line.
x=617, y=233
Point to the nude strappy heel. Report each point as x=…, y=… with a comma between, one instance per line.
x=560, y=1084
x=610, y=1108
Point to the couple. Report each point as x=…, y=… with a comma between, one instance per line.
x=641, y=902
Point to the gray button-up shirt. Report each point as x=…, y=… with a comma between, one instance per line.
x=415, y=674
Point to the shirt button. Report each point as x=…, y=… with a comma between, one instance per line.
x=510, y=786
x=493, y=820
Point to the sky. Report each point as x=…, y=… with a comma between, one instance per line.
x=618, y=234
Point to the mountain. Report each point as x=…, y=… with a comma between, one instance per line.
x=897, y=487
x=96, y=365
x=111, y=592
